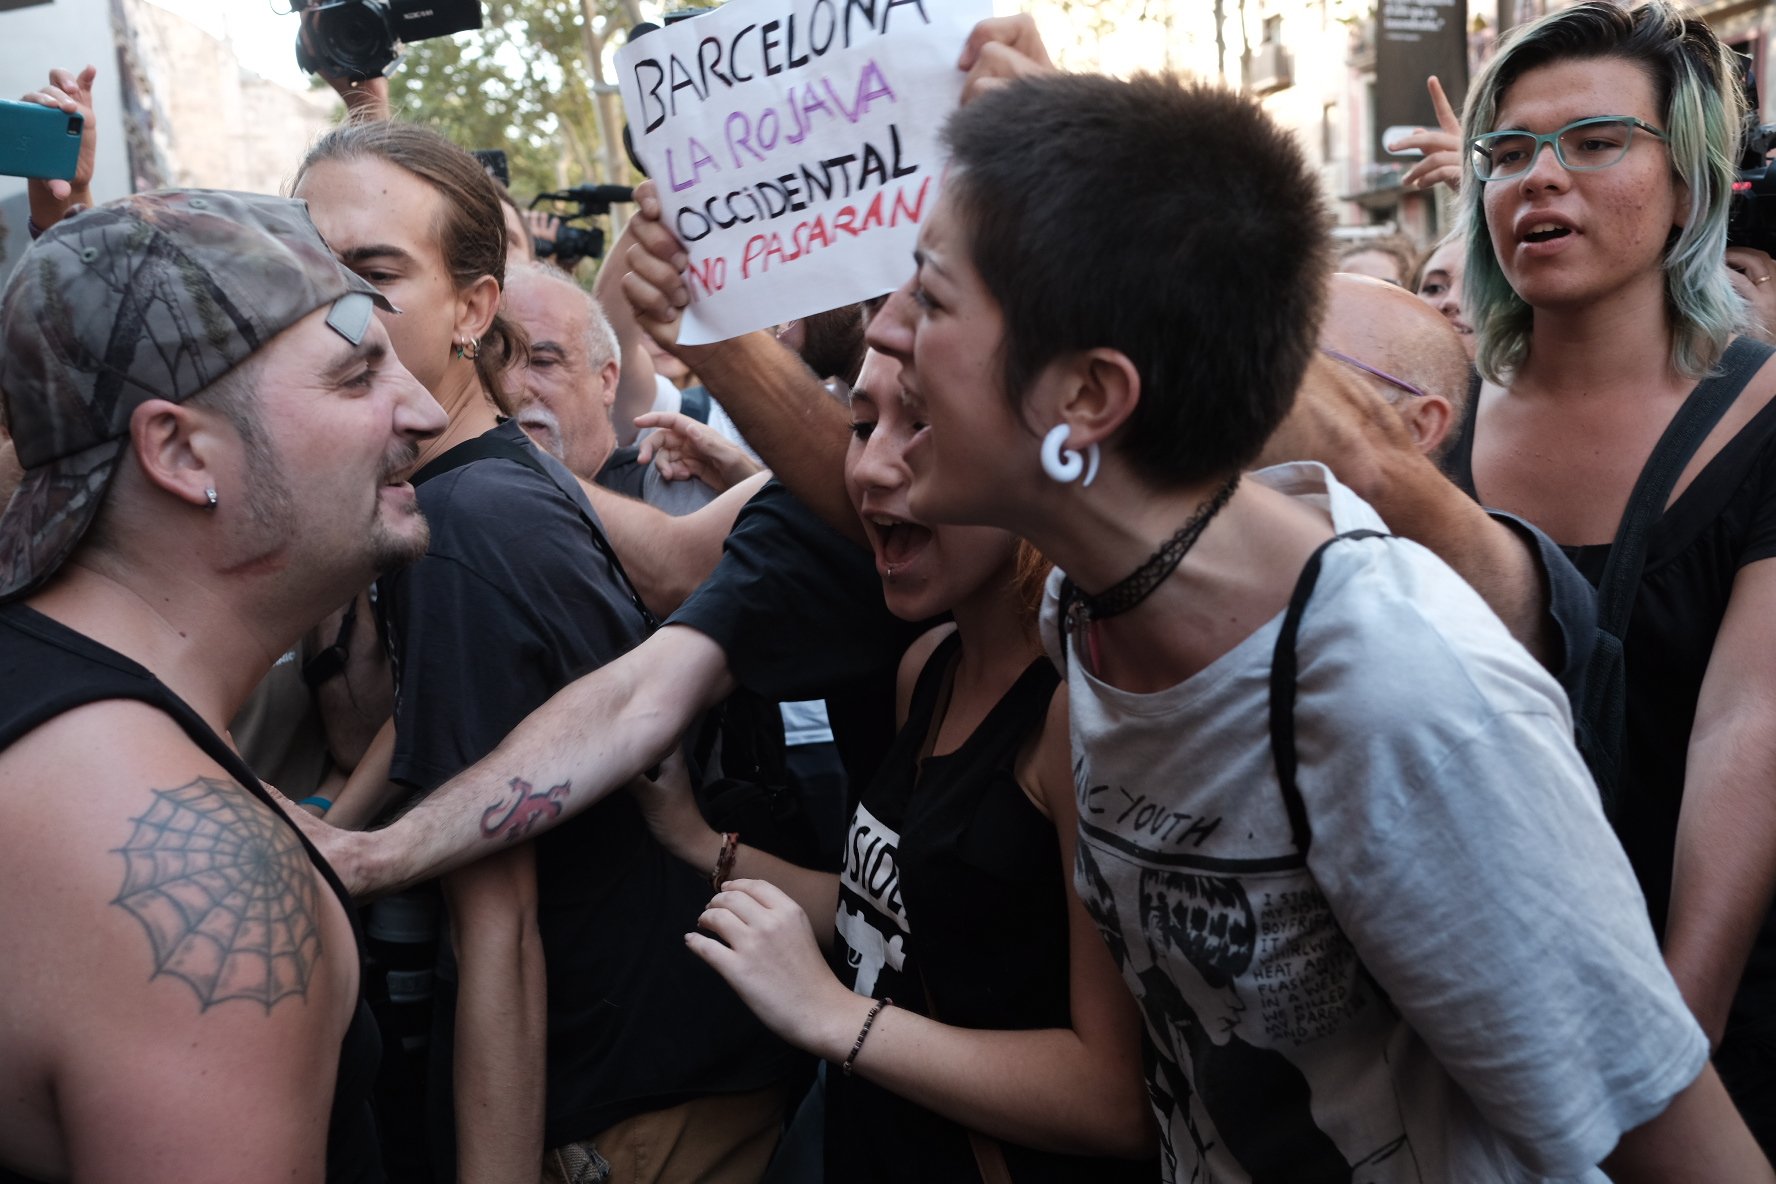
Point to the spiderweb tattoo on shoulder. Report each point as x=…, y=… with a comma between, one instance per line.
x=226, y=893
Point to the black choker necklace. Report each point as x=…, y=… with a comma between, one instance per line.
x=1140, y=583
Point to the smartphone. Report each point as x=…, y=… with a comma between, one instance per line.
x=1399, y=132
x=37, y=141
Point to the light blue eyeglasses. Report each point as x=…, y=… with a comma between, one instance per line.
x=1581, y=146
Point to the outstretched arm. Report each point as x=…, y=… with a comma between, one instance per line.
x=1346, y=426
x=668, y=556
x=590, y=738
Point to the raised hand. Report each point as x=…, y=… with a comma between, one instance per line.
x=999, y=50
x=655, y=285
x=66, y=91
x=1441, y=145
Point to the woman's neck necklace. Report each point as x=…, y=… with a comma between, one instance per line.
x=1080, y=609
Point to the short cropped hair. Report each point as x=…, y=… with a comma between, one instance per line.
x=601, y=339
x=1698, y=93
x=1172, y=221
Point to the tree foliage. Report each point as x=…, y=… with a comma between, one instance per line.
x=535, y=81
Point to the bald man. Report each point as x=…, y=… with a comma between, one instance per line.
x=1385, y=327
x=1378, y=407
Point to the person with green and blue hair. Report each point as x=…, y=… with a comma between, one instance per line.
x=1600, y=146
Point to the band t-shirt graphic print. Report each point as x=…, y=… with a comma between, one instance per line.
x=1456, y=979
x=872, y=921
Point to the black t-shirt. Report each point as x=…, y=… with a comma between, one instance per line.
x=47, y=669
x=953, y=883
x=797, y=607
x=513, y=600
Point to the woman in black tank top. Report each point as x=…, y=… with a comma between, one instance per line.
x=1604, y=314
x=1011, y=1050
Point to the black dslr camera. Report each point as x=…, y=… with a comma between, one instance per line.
x=360, y=39
x=573, y=243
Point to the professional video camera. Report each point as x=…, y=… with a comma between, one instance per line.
x=573, y=243
x=360, y=39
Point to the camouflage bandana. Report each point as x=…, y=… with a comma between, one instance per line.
x=152, y=297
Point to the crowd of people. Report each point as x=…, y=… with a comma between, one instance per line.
x=1247, y=709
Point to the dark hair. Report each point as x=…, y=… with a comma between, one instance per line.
x=1172, y=221
x=472, y=233
x=832, y=342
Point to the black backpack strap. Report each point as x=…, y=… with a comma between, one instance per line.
x=1688, y=428
x=1603, y=710
x=487, y=446
x=1283, y=668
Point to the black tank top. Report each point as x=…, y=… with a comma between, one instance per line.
x=952, y=882
x=47, y=669
x=1725, y=519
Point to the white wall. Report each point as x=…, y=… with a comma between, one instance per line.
x=71, y=33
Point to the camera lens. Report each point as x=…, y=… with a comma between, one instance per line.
x=356, y=37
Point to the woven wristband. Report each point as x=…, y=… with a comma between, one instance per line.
x=863, y=1034
x=724, y=862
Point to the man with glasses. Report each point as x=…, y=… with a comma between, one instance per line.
x=1381, y=406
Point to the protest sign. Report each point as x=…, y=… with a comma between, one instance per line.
x=794, y=144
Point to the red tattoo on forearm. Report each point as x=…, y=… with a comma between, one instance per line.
x=514, y=819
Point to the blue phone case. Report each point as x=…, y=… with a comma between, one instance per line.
x=37, y=141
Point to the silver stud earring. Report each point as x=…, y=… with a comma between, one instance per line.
x=210, y=495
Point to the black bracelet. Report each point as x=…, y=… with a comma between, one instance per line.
x=863, y=1033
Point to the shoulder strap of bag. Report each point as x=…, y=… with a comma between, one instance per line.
x=1688, y=428
x=487, y=446
x=1601, y=715
x=1283, y=668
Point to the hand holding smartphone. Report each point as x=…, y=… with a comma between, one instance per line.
x=37, y=141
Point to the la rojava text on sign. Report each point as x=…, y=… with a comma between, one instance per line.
x=795, y=146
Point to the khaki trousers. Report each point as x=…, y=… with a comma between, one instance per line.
x=719, y=1139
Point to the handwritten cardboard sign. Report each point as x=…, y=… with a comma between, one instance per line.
x=795, y=146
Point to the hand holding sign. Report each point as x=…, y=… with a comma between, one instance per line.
x=655, y=286
x=794, y=146
x=1000, y=50
x=1441, y=147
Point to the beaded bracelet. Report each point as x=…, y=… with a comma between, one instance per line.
x=863, y=1033
x=724, y=862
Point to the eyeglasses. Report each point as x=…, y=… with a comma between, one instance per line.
x=1581, y=146
x=1416, y=392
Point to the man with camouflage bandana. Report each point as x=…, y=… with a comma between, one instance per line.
x=213, y=430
